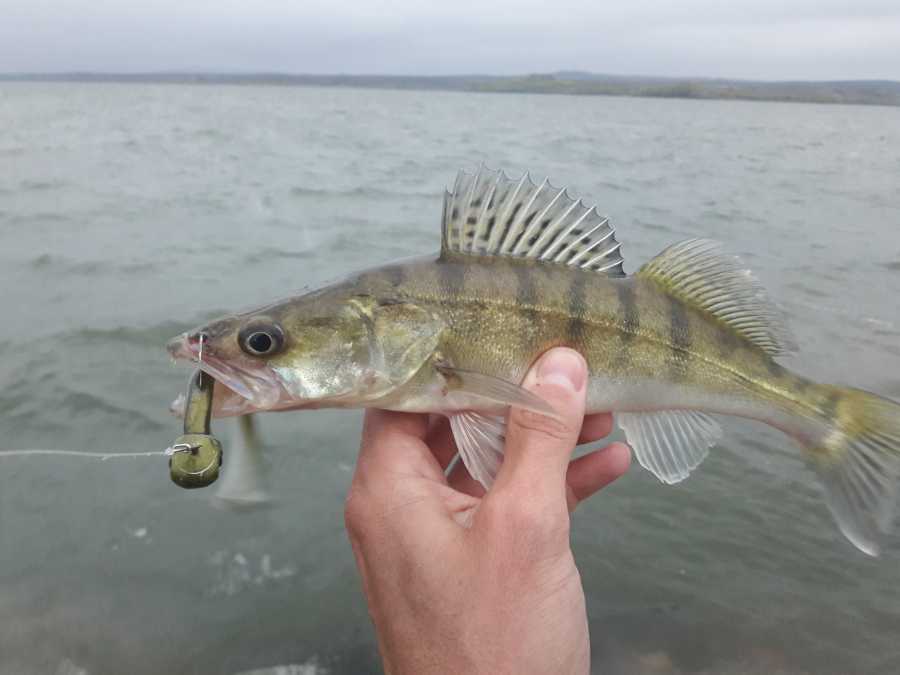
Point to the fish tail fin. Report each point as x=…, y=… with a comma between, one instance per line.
x=243, y=483
x=858, y=458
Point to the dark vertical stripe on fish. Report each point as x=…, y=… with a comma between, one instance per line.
x=680, y=338
x=629, y=321
x=526, y=288
x=577, y=309
x=395, y=274
x=830, y=404
x=451, y=279
x=728, y=341
x=801, y=384
x=775, y=370
x=628, y=310
x=526, y=299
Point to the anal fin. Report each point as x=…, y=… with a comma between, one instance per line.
x=670, y=443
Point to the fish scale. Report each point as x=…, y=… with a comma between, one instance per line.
x=624, y=328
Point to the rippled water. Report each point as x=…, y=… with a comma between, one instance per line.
x=130, y=213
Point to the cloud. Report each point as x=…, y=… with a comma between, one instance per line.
x=769, y=39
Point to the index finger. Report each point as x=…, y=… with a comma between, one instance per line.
x=393, y=442
x=595, y=427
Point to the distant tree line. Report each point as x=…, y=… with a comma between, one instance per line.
x=870, y=92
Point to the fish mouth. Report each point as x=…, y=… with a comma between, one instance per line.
x=260, y=385
x=226, y=403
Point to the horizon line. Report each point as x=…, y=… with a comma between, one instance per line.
x=560, y=74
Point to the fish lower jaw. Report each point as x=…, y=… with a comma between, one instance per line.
x=261, y=391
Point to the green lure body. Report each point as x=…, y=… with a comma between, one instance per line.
x=197, y=454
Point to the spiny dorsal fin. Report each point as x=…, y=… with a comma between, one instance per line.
x=698, y=273
x=488, y=213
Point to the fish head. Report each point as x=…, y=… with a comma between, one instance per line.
x=332, y=348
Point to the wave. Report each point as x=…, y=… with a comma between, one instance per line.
x=48, y=261
x=40, y=217
x=311, y=667
x=368, y=192
x=155, y=335
x=270, y=253
x=610, y=185
x=29, y=185
x=56, y=404
x=808, y=291
x=81, y=402
x=210, y=133
x=658, y=227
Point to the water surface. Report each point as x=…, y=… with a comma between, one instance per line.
x=129, y=213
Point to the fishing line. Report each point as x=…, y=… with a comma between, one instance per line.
x=102, y=456
x=105, y=455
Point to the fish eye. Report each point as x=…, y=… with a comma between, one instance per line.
x=261, y=339
x=260, y=343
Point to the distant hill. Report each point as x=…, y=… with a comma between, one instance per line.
x=866, y=92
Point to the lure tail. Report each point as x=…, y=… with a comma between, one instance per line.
x=244, y=483
x=858, y=458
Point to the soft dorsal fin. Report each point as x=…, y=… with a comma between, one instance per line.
x=698, y=273
x=488, y=213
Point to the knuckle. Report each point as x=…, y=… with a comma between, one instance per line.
x=544, y=425
x=356, y=514
x=495, y=511
x=525, y=520
x=538, y=520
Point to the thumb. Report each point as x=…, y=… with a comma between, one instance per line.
x=538, y=447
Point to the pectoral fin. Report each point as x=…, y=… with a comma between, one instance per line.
x=471, y=385
x=480, y=440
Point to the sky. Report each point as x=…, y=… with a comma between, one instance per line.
x=749, y=39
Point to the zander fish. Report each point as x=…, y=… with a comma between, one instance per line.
x=524, y=267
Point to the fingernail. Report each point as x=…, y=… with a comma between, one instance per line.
x=563, y=367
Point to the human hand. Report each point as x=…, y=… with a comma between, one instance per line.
x=459, y=581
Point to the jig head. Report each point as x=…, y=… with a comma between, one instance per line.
x=196, y=456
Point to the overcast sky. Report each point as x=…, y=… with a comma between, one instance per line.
x=767, y=39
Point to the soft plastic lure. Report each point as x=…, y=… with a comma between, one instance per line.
x=196, y=455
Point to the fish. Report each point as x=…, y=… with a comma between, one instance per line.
x=523, y=267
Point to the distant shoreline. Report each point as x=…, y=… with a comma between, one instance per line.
x=859, y=92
